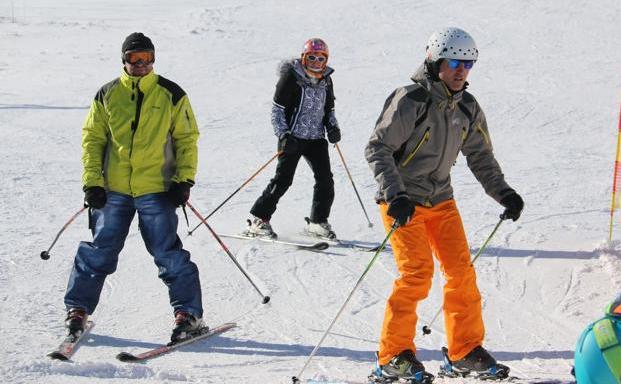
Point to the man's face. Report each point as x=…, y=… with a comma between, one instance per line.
x=139, y=63
x=454, y=73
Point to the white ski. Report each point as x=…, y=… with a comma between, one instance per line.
x=319, y=246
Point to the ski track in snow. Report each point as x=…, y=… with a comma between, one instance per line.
x=552, y=120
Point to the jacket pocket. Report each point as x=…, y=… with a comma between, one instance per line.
x=418, y=146
x=484, y=134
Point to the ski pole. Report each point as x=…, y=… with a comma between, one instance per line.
x=296, y=379
x=46, y=254
x=233, y=194
x=427, y=328
x=352, y=183
x=266, y=299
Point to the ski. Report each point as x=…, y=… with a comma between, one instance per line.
x=353, y=244
x=70, y=344
x=361, y=247
x=318, y=246
x=342, y=243
x=539, y=381
x=518, y=380
x=421, y=378
x=159, y=351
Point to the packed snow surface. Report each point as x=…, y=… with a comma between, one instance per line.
x=547, y=78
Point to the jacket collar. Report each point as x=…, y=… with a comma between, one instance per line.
x=145, y=83
x=298, y=69
x=437, y=89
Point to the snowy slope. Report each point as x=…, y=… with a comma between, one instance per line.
x=547, y=78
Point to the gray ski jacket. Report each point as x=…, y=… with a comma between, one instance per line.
x=418, y=136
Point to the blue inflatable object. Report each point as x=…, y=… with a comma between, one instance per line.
x=598, y=353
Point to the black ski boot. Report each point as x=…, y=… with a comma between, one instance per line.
x=478, y=363
x=75, y=321
x=405, y=367
x=186, y=326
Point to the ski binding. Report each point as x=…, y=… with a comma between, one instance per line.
x=70, y=344
x=447, y=369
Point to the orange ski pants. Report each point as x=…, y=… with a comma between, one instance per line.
x=438, y=230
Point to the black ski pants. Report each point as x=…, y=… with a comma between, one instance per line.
x=315, y=152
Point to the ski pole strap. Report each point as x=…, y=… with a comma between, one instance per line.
x=608, y=343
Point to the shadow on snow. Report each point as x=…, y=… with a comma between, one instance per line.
x=221, y=344
x=537, y=253
x=36, y=106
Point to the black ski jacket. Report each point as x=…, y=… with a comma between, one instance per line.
x=303, y=106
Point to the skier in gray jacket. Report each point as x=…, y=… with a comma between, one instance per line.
x=416, y=141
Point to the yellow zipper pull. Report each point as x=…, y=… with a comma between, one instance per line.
x=418, y=146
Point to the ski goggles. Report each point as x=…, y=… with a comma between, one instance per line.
x=136, y=57
x=317, y=58
x=454, y=63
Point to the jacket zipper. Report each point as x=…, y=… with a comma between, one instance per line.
x=417, y=147
x=428, y=202
x=296, y=111
x=134, y=124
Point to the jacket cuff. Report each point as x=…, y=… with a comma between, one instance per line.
x=390, y=197
x=87, y=186
x=505, y=192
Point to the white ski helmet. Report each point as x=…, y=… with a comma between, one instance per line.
x=451, y=43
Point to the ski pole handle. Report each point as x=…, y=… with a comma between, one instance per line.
x=45, y=255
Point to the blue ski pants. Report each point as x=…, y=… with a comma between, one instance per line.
x=158, y=221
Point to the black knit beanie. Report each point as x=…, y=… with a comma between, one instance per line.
x=137, y=42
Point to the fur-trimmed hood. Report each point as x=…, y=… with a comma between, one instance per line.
x=296, y=65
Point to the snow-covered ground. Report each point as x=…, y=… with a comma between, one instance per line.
x=547, y=78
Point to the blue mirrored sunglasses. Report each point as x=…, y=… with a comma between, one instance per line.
x=454, y=63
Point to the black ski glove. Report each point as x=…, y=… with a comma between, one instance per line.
x=513, y=204
x=401, y=209
x=334, y=135
x=95, y=197
x=288, y=144
x=179, y=193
